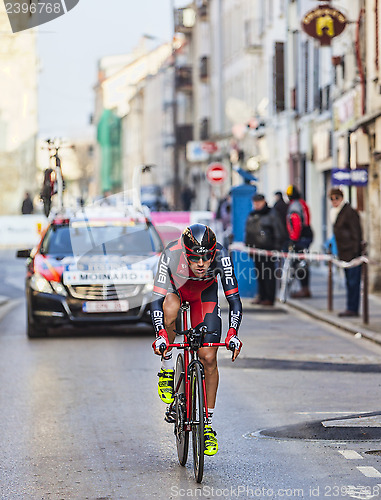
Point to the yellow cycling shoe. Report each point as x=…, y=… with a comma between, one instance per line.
x=211, y=445
x=165, y=385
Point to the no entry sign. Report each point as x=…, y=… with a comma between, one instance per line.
x=216, y=173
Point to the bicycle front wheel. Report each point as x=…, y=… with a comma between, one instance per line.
x=182, y=436
x=197, y=395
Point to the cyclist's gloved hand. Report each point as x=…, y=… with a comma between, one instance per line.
x=231, y=337
x=161, y=339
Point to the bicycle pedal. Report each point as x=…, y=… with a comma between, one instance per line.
x=170, y=416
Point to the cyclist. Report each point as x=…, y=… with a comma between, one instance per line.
x=188, y=270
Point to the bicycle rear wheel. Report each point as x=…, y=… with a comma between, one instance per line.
x=197, y=395
x=182, y=436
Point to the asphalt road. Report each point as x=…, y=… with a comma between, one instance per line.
x=81, y=419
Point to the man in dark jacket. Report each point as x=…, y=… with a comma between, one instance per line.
x=27, y=205
x=300, y=235
x=348, y=235
x=263, y=231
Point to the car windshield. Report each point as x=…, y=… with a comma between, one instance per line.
x=101, y=239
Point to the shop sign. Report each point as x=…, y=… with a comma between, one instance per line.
x=324, y=23
x=349, y=177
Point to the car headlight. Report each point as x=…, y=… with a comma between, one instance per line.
x=40, y=284
x=58, y=288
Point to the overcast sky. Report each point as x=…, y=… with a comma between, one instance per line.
x=69, y=48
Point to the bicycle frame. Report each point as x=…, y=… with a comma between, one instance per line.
x=190, y=358
x=189, y=409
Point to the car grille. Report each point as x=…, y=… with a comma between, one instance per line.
x=103, y=292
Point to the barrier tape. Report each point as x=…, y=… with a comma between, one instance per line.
x=300, y=256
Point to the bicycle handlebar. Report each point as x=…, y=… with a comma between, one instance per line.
x=163, y=346
x=205, y=344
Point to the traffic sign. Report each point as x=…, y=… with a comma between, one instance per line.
x=349, y=177
x=195, y=152
x=216, y=173
x=209, y=146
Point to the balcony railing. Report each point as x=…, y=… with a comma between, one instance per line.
x=184, y=78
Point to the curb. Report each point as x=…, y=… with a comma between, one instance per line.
x=342, y=324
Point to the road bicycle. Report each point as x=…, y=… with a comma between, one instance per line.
x=56, y=186
x=189, y=410
x=292, y=268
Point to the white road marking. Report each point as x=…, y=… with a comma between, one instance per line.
x=369, y=471
x=359, y=421
x=350, y=454
x=350, y=412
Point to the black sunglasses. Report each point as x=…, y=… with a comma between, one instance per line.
x=196, y=257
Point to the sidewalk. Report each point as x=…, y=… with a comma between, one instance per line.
x=317, y=305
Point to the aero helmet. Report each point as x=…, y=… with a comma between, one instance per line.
x=199, y=241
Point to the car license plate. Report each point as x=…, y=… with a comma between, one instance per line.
x=104, y=306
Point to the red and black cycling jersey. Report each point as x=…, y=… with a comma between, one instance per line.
x=175, y=276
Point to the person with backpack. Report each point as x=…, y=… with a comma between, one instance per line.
x=264, y=231
x=300, y=235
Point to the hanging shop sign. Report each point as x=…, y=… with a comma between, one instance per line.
x=324, y=23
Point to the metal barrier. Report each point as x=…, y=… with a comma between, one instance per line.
x=331, y=261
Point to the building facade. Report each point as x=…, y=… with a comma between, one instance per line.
x=253, y=89
x=18, y=116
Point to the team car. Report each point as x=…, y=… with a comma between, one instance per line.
x=91, y=270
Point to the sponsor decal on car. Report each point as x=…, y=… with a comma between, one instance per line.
x=115, y=276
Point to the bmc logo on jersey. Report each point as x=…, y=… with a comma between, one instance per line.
x=163, y=268
x=228, y=270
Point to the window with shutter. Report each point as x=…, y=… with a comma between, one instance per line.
x=279, y=77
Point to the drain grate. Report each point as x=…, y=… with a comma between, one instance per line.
x=373, y=452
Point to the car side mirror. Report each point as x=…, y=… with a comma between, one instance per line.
x=23, y=254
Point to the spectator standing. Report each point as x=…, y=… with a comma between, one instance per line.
x=27, y=205
x=263, y=231
x=300, y=235
x=348, y=235
x=281, y=208
x=187, y=196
